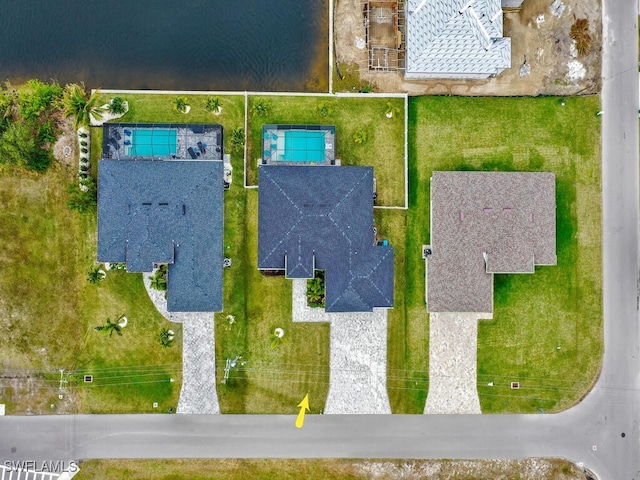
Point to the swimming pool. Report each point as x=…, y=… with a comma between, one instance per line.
x=153, y=142
x=303, y=146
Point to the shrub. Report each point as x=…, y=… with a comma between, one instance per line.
x=38, y=100
x=84, y=150
x=84, y=168
x=117, y=106
x=45, y=133
x=159, y=279
x=83, y=202
x=83, y=143
x=315, y=290
x=18, y=146
x=83, y=135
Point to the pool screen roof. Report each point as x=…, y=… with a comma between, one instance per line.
x=162, y=141
x=322, y=218
x=298, y=144
x=165, y=212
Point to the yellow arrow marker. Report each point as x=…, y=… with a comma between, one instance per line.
x=304, y=405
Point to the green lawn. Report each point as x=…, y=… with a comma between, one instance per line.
x=273, y=380
x=408, y=333
x=265, y=379
x=48, y=310
x=383, y=148
x=547, y=327
x=159, y=108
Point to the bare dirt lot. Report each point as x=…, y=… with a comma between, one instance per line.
x=540, y=40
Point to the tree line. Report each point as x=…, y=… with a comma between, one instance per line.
x=30, y=118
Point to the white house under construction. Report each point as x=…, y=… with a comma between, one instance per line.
x=444, y=39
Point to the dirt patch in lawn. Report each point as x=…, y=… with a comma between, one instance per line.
x=540, y=40
x=65, y=148
x=29, y=393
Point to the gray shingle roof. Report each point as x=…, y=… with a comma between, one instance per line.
x=484, y=223
x=322, y=217
x=455, y=39
x=165, y=212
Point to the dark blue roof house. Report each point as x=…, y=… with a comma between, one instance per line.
x=321, y=218
x=171, y=212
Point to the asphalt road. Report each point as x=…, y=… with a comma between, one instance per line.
x=591, y=433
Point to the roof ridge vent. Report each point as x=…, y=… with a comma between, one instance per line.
x=483, y=31
x=467, y=5
x=422, y=3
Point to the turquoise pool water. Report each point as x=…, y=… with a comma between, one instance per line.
x=303, y=146
x=151, y=142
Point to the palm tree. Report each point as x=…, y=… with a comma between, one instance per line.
x=212, y=104
x=109, y=327
x=391, y=110
x=76, y=104
x=166, y=337
x=360, y=137
x=261, y=109
x=237, y=138
x=181, y=104
x=277, y=338
x=95, y=275
x=117, y=106
x=324, y=109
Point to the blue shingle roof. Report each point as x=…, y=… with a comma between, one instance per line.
x=322, y=218
x=165, y=212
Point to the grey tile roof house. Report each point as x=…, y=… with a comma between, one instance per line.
x=312, y=218
x=170, y=212
x=484, y=223
x=455, y=39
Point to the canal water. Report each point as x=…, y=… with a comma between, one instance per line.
x=267, y=45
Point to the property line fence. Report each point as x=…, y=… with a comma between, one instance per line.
x=247, y=94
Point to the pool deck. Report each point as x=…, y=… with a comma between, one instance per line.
x=204, y=141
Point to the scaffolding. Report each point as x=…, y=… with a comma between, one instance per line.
x=385, y=26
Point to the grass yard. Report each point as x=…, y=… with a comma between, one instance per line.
x=49, y=308
x=408, y=333
x=345, y=469
x=148, y=107
x=547, y=330
x=48, y=311
x=274, y=378
x=547, y=327
x=383, y=148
